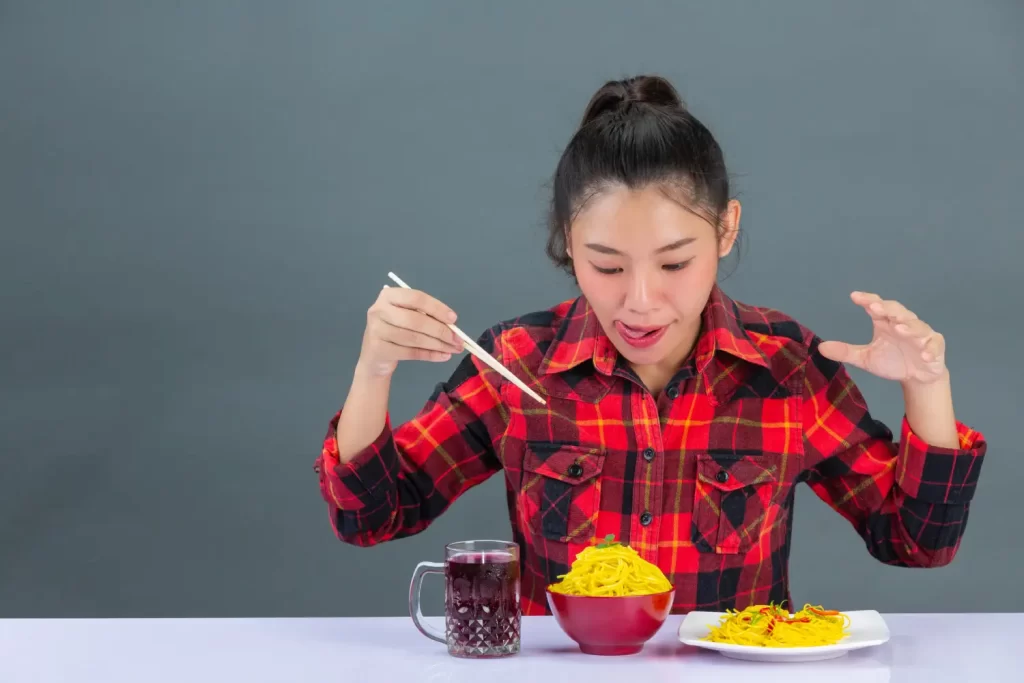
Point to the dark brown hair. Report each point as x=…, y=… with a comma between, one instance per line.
x=634, y=133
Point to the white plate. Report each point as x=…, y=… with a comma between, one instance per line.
x=867, y=629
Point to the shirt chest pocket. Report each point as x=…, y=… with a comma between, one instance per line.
x=736, y=501
x=560, y=490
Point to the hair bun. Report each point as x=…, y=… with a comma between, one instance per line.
x=615, y=96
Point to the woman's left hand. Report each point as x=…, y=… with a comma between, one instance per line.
x=903, y=347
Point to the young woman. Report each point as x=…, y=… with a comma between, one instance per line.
x=677, y=419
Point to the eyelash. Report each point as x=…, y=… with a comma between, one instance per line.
x=672, y=268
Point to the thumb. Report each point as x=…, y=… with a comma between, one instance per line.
x=843, y=353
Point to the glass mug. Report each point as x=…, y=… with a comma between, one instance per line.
x=482, y=614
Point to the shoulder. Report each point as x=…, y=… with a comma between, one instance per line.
x=519, y=344
x=787, y=344
x=528, y=336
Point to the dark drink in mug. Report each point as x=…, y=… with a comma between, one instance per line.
x=482, y=602
x=482, y=609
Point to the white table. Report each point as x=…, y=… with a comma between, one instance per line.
x=933, y=648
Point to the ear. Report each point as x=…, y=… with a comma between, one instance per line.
x=568, y=245
x=729, y=229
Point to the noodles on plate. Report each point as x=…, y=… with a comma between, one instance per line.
x=772, y=626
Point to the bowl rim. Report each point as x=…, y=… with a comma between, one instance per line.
x=547, y=590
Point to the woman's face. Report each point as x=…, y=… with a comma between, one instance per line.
x=647, y=266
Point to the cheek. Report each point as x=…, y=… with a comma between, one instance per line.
x=703, y=272
x=601, y=291
x=693, y=286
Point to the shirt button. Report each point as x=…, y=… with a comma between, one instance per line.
x=646, y=518
x=648, y=454
x=722, y=476
x=575, y=470
x=672, y=391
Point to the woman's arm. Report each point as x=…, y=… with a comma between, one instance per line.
x=905, y=348
x=364, y=413
x=929, y=410
x=382, y=483
x=908, y=500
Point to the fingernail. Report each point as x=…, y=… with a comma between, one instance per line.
x=901, y=327
x=451, y=316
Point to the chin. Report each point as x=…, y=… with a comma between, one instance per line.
x=648, y=356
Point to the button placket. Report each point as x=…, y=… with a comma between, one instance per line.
x=648, y=487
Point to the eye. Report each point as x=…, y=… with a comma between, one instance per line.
x=607, y=271
x=677, y=266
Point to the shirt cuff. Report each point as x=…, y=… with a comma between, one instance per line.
x=936, y=474
x=364, y=479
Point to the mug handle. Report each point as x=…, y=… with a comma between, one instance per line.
x=415, y=610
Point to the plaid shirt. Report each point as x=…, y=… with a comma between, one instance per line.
x=699, y=480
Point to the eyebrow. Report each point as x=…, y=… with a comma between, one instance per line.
x=604, y=249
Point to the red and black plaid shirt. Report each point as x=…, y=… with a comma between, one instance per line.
x=700, y=480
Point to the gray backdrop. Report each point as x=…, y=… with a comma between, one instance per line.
x=200, y=200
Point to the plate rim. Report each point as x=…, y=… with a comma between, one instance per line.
x=779, y=653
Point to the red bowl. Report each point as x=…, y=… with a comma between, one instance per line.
x=611, y=625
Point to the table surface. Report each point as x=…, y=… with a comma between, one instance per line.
x=923, y=647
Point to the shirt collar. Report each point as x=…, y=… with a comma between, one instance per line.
x=581, y=338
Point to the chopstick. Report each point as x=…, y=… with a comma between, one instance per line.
x=475, y=349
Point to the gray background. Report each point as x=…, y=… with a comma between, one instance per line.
x=199, y=200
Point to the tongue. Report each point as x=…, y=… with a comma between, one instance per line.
x=635, y=334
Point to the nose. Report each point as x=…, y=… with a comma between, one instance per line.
x=640, y=293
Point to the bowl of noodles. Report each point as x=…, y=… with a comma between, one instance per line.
x=612, y=601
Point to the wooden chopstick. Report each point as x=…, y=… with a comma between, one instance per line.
x=475, y=349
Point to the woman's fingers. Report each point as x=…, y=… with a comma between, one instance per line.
x=400, y=352
x=422, y=327
x=414, y=339
x=404, y=324
x=419, y=301
x=916, y=331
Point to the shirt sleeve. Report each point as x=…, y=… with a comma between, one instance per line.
x=908, y=500
x=398, y=485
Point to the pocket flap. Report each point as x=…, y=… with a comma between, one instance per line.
x=565, y=462
x=729, y=473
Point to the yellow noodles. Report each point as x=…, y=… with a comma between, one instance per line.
x=611, y=569
x=772, y=626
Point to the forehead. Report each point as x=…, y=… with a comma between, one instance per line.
x=624, y=218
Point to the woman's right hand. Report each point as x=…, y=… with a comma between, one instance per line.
x=405, y=324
